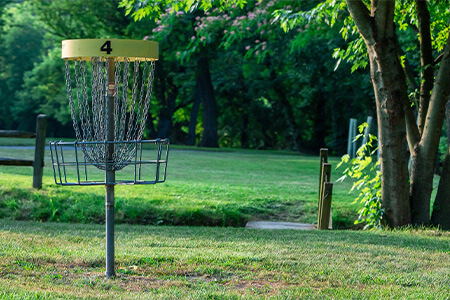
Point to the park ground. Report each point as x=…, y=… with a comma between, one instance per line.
x=57, y=260
x=52, y=240
x=222, y=187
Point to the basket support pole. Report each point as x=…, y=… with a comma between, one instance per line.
x=109, y=173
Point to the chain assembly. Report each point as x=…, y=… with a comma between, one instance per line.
x=130, y=110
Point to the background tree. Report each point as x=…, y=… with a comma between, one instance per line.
x=21, y=42
x=386, y=28
x=272, y=90
x=260, y=87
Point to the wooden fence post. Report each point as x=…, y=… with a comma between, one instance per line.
x=38, y=165
x=326, y=206
x=323, y=160
x=367, y=130
x=325, y=177
x=351, y=146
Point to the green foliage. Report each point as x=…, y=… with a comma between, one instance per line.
x=272, y=88
x=367, y=180
x=22, y=46
x=44, y=90
x=80, y=19
x=141, y=9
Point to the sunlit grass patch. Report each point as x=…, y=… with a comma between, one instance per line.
x=213, y=188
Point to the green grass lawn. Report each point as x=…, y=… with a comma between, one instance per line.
x=57, y=260
x=203, y=187
x=65, y=259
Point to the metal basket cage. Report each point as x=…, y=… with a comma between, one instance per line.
x=147, y=163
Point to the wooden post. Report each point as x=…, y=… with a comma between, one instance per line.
x=326, y=171
x=323, y=160
x=326, y=206
x=367, y=130
x=354, y=132
x=351, y=147
x=38, y=165
x=350, y=138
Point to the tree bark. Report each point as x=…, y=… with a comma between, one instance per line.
x=388, y=79
x=425, y=152
x=448, y=122
x=441, y=207
x=190, y=140
x=388, y=86
x=165, y=123
x=426, y=61
x=210, y=137
x=244, y=128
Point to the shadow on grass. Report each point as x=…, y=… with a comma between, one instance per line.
x=333, y=240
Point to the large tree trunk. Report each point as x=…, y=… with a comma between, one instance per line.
x=422, y=173
x=166, y=115
x=389, y=84
x=441, y=208
x=423, y=157
x=377, y=29
x=209, y=138
x=426, y=150
x=190, y=140
x=448, y=122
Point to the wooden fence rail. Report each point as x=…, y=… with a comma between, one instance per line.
x=325, y=192
x=39, y=150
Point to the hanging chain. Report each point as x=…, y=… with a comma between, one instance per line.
x=71, y=104
x=130, y=136
x=89, y=122
x=148, y=96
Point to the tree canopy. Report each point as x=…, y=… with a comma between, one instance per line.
x=270, y=89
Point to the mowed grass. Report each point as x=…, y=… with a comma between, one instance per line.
x=57, y=260
x=203, y=187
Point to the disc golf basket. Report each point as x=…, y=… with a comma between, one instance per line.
x=109, y=85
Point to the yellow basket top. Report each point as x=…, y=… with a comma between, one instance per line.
x=117, y=48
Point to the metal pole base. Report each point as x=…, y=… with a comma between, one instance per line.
x=110, y=231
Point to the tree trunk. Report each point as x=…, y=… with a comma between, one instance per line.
x=426, y=60
x=389, y=85
x=422, y=173
x=448, y=122
x=376, y=26
x=441, y=207
x=190, y=140
x=210, y=137
x=165, y=123
x=151, y=127
x=244, y=128
x=425, y=151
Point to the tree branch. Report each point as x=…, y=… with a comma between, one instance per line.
x=438, y=100
x=412, y=131
x=438, y=59
x=383, y=12
x=361, y=16
x=426, y=60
